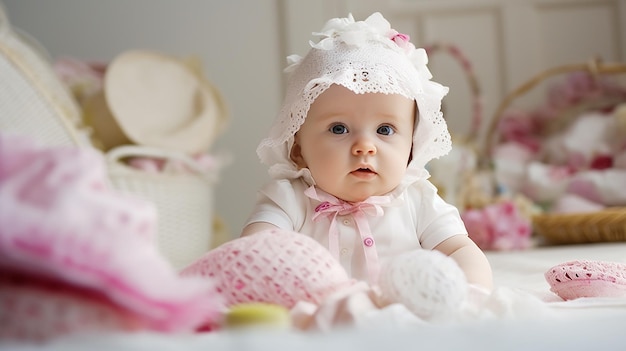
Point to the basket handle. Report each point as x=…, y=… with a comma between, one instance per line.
x=118, y=153
x=470, y=75
x=5, y=25
x=595, y=67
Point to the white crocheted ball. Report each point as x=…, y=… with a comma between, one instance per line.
x=273, y=266
x=429, y=283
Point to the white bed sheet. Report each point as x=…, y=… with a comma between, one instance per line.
x=583, y=324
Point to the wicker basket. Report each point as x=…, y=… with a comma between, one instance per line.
x=603, y=226
x=184, y=201
x=607, y=225
x=33, y=101
x=468, y=71
x=451, y=173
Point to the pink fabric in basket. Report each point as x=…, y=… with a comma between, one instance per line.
x=60, y=221
x=273, y=266
x=575, y=279
x=498, y=226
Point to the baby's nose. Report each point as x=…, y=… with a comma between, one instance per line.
x=363, y=146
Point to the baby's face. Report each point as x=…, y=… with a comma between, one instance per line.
x=356, y=145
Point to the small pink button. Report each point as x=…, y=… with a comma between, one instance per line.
x=368, y=242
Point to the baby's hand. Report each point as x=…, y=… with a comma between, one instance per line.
x=470, y=258
x=257, y=227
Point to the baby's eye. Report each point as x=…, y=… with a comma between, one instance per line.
x=338, y=129
x=385, y=130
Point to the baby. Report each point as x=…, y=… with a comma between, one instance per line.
x=347, y=154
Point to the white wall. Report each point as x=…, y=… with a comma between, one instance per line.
x=244, y=42
x=237, y=39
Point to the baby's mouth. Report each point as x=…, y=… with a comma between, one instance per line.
x=363, y=171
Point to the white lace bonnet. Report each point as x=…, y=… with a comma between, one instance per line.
x=365, y=57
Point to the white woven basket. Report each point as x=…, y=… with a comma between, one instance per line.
x=184, y=201
x=33, y=101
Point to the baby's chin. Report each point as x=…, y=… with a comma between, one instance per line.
x=361, y=195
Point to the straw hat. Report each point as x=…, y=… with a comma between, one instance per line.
x=156, y=100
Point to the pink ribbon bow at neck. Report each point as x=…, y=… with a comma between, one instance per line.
x=331, y=207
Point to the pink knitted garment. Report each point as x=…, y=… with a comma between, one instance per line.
x=69, y=241
x=584, y=278
x=273, y=266
x=35, y=309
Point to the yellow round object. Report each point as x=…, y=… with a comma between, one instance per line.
x=258, y=314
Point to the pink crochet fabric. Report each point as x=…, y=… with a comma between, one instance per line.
x=574, y=279
x=273, y=266
x=62, y=225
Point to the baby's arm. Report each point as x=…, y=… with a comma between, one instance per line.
x=278, y=205
x=470, y=258
x=256, y=227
